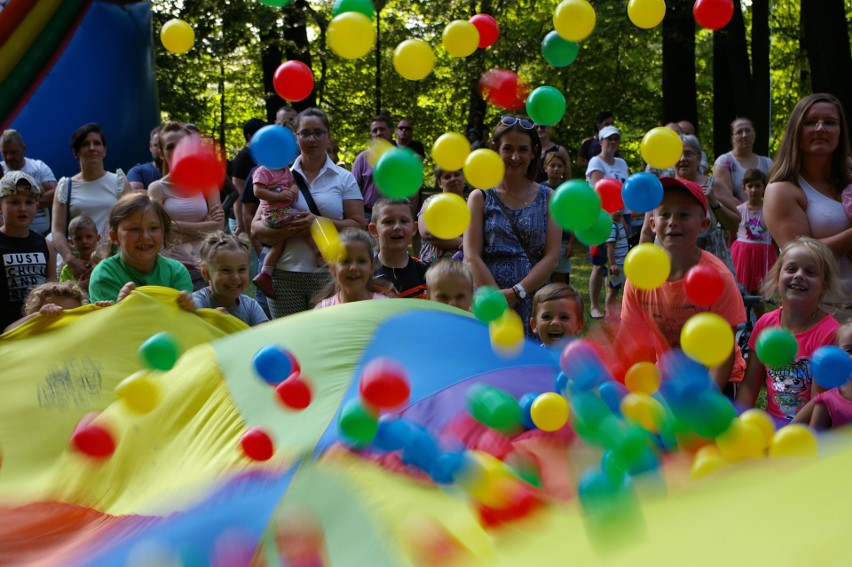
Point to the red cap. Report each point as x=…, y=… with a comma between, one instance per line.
x=691, y=187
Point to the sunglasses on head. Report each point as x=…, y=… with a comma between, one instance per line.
x=525, y=123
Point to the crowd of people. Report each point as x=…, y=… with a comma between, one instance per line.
x=102, y=234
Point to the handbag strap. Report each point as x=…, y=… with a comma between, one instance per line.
x=67, y=205
x=514, y=226
x=306, y=193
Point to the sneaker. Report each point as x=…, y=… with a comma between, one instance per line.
x=263, y=282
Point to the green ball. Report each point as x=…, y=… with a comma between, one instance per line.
x=363, y=6
x=546, y=105
x=575, y=205
x=708, y=414
x=598, y=233
x=357, y=424
x=160, y=351
x=557, y=51
x=494, y=408
x=776, y=347
x=489, y=304
x=398, y=173
x=275, y=3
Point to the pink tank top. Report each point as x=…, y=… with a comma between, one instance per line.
x=827, y=218
x=839, y=408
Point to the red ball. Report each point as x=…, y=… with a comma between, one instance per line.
x=293, y=80
x=197, y=166
x=703, y=285
x=257, y=444
x=488, y=29
x=713, y=14
x=294, y=392
x=93, y=440
x=384, y=384
x=609, y=190
x=504, y=89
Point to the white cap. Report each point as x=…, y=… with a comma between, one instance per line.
x=608, y=131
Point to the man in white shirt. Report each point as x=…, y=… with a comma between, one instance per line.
x=13, y=149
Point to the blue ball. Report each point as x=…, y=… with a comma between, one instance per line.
x=831, y=366
x=393, y=434
x=274, y=147
x=446, y=466
x=683, y=377
x=526, y=403
x=560, y=385
x=421, y=450
x=273, y=364
x=612, y=393
x=642, y=192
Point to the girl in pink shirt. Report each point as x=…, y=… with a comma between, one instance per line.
x=352, y=275
x=834, y=407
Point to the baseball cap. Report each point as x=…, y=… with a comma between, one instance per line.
x=690, y=187
x=608, y=131
x=9, y=184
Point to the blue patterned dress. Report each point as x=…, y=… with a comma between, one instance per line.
x=502, y=252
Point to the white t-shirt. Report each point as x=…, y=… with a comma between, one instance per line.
x=618, y=170
x=93, y=198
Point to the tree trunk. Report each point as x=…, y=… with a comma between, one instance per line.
x=270, y=59
x=732, y=83
x=297, y=47
x=826, y=40
x=679, y=91
x=761, y=94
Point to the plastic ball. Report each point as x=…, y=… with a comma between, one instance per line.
x=488, y=29
x=708, y=459
x=549, y=411
x=398, y=173
x=507, y=333
x=177, y=36
x=376, y=148
x=273, y=364
x=661, y=147
x=356, y=423
x=703, y=285
x=643, y=377
x=446, y=215
x=384, y=384
x=460, y=38
x=763, y=422
x=683, y=377
x=493, y=407
x=274, y=146
x=294, y=392
x=293, y=80
x=794, y=440
x=327, y=239
x=831, y=366
x=504, y=89
x=450, y=151
x=742, y=440
x=351, y=35
x=574, y=20
x=546, y=105
x=160, y=351
x=647, y=266
x=612, y=392
x=557, y=51
x=197, y=165
x=526, y=403
x=445, y=467
x=363, y=6
x=138, y=392
x=483, y=168
x=91, y=439
x=609, y=191
x=598, y=233
x=708, y=338
x=646, y=14
x=776, y=347
x=643, y=410
x=707, y=413
x=413, y=59
x=642, y=192
x=421, y=450
x=582, y=365
x=393, y=433
x=257, y=444
x=713, y=14
x=275, y=3
x=489, y=303
x=560, y=383
x=574, y=205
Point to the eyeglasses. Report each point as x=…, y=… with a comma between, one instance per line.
x=827, y=124
x=525, y=123
x=306, y=134
x=403, y=128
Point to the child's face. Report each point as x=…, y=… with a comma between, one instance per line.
x=452, y=289
x=85, y=240
x=395, y=228
x=556, y=319
x=678, y=221
x=228, y=274
x=800, y=279
x=617, y=216
x=140, y=237
x=62, y=301
x=19, y=210
x=754, y=190
x=555, y=169
x=354, y=271
x=844, y=338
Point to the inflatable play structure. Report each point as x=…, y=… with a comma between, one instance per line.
x=185, y=480
x=64, y=63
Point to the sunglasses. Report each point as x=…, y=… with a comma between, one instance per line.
x=525, y=123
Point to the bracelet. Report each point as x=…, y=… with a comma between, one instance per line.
x=717, y=207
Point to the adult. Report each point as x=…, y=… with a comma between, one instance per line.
x=142, y=175
x=13, y=151
x=381, y=128
x=512, y=243
x=286, y=116
x=91, y=192
x=240, y=170
x=334, y=194
x=405, y=138
x=432, y=247
x=193, y=214
x=730, y=167
x=803, y=197
x=687, y=128
x=549, y=146
x=591, y=146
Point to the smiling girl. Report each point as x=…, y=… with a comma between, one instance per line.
x=352, y=276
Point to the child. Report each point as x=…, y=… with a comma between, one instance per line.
x=84, y=235
x=557, y=313
x=555, y=168
x=451, y=282
x=616, y=251
x=393, y=225
x=51, y=299
x=832, y=408
x=277, y=192
x=753, y=251
x=805, y=272
x=661, y=313
x=140, y=227
x=224, y=265
x=352, y=276
x=28, y=259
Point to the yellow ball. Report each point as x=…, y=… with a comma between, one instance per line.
x=507, y=333
x=351, y=35
x=574, y=20
x=483, y=479
x=450, y=150
x=327, y=239
x=549, y=411
x=138, y=392
x=707, y=338
x=661, y=147
x=484, y=168
x=376, y=149
x=643, y=410
x=742, y=440
x=646, y=14
x=708, y=459
x=647, y=266
x=794, y=441
x=177, y=36
x=643, y=378
x=762, y=421
x=460, y=38
x=446, y=215
x=413, y=59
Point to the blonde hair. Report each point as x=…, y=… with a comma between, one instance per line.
x=447, y=267
x=81, y=222
x=827, y=265
x=40, y=295
x=350, y=236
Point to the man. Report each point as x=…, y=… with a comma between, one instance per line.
x=286, y=116
x=143, y=174
x=240, y=169
x=13, y=149
x=381, y=128
x=404, y=135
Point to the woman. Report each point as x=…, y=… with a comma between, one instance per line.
x=335, y=195
x=803, y=197
x=91, y=192
x=511, y=242
x=434, y=248
x=194, y=214
x=549, y=147
x=730, y=167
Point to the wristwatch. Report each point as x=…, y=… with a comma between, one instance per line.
x=519, y=289
x=717, y=207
